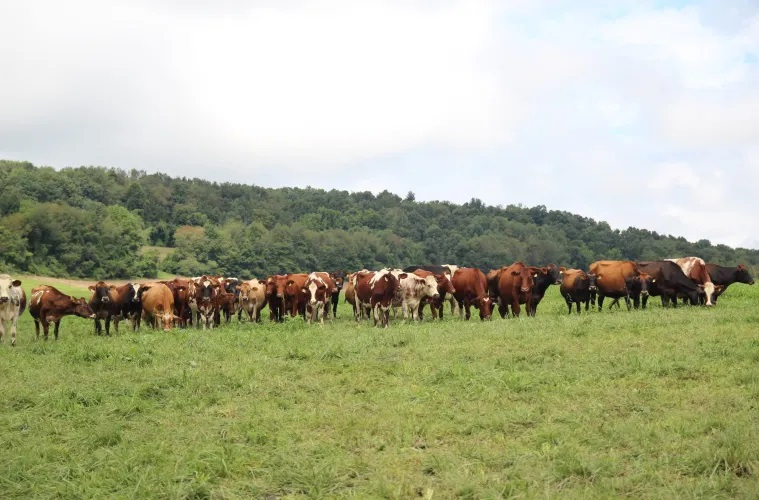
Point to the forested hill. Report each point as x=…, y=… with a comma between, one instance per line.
x=94, y=222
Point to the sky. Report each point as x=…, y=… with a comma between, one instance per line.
x=641, y=113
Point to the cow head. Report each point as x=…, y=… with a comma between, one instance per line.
x=429, y=286
x=167, y=319
x=102, y=292
x=708, y=294
x=485, y=304
x=81, y=308
x=6, y=289
x=315, y=290
x=525, y=278
x=243, y=292
x=206, y=290
x=743, y=276
x=555, y=274
x=592, y=286
x=444, y=284
x=338, y=278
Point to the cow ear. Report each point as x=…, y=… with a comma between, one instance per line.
x=598, y=278
x=91, y=287
x=701, y=287
x=16, y=283
x=112, y=287
x=261, y=282
x=562, y=269
x=544, y=270
x=403, y=276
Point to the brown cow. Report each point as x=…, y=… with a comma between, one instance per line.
x=350, y=296
x=104, y=304
x=295, y=299
x=180, y=290
x=612, y=277
x=471, y=289
x=158, y=305
x=514, y=285
x=378, y=290
x=577, y=287
x=48, y=305
x=251, y=299
x=275, y=296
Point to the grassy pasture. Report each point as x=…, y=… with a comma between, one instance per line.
x=657, y=403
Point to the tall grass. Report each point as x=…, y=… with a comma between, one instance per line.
x=656, y=403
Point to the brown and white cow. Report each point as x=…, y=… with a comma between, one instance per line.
x=251, y=299
x=49, y=305
x=329, y=280
x=104, y=303
x=471, y=289
x=317, y=293
x=444, y=289
x=377, y=289
x=206, y=291
x=695, y=269
x=158, y=305
x=415, y=290
x=12, y=304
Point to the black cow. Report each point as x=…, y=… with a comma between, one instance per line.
x=669, y=282
x=338, y=278
x=131, y=309
x=551, y=276
x=726, y=276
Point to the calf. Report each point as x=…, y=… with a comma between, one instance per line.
x=49, y=305
x=12, y=304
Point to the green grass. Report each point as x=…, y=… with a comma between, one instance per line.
x=656, y=403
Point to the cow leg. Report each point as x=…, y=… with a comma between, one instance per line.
x=601, y=302
x=375, y=313
x=98, y=326
x=2, y=331
x=516, y=308
x=335, y=300
x=421, y=310
x=108, y=325
x=503, y=310
x=636, y=301
x=45, y=328
x=13, y=330
x=36, y=329
x=467, y=309
x=57, y=326
x=627, y=302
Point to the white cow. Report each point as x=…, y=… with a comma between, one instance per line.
x=12, y=304
x=414, y=289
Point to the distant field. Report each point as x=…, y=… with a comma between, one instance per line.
x=657, y=403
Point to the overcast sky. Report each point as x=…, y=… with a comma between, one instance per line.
x=641, y=113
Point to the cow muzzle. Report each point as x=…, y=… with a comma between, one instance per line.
x=524, y=290
x=644, y=293
x=105, y=300
x=3, y=300
x=592, y=289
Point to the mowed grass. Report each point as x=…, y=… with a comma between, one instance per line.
x=657, y=403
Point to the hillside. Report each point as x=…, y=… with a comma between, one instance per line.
x=92, y=222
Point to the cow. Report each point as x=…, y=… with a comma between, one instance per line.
x=49, y=305
x=612, y=280
x=726, y=276
x=12, y=304
x=444, y=288
x=359, y=311
x=206, y=292
x=104, y=303
x=670, y=282
x=448, y=269
x=251, y=299
x=131, y=304
x=338, y=278
x=695, y=269
x=514, y=286
x=577, y=287
x=158, y=305
x=275, y=296
x=471, y=289
x=546, y=276
x=228, y=297
x=415, y=290
x=329, y=280
x=180, y=290
x=317, y=293
x=295, y=299
x=378, y=290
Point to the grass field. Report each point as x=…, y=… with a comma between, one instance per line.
x=657, y=403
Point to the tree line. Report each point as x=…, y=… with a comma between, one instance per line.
x=95, y=222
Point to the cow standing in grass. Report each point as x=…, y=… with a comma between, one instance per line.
x=12, y=305
x=49, y=305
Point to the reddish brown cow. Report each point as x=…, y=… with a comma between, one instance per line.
x=103, y=304
x=275, y=295
x=471, y=289
x=378, y=290
x=48, y=305
x=295, y=299
x=513, y=285
x=158, y=305
x=612, y=278
x=180, y=289
x=578, y=287
x=444, y=286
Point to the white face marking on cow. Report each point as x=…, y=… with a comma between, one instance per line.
x=5, y=287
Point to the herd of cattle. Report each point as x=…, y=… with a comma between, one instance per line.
x=205, y=300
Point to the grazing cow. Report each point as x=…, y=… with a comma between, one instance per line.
x=48, y=305
x=338, y=278
x=317, y=293
x=471, y=289
x=415, y=290
x=444, y=289
x=577, y=287
x=206, y=292
x=514, y=285
x=695, y=269
x=252, y=299
x=12, y=304
x=275, y=296
x=378, y=289
x=158, y=305
x=726, y=276
x=295, y=299
x=670, y=282
x=104, y=304
x=546, y=276
x=612, y=279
